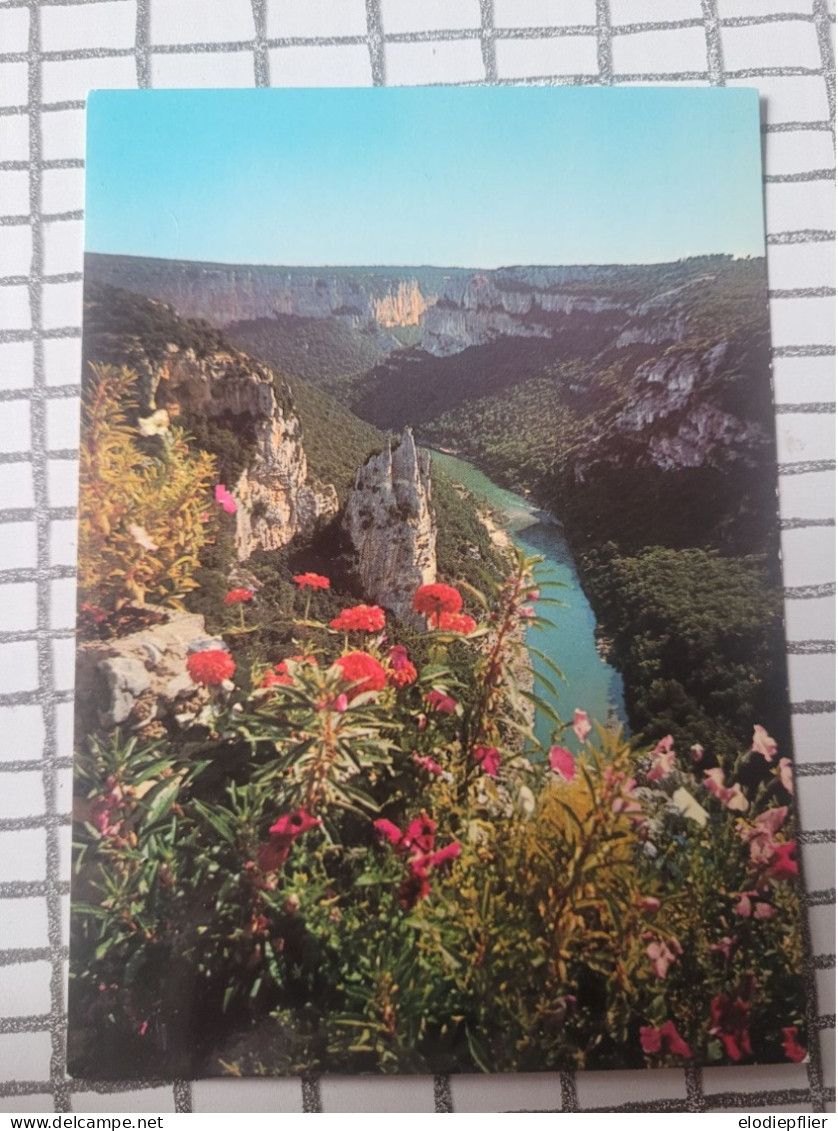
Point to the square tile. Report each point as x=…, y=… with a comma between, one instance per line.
x=653, y=11
x=63, y=602
x=18, y=546
x=23, y=731
x=139, y=1099
x=16, y=485
x=14, y=196
x=24, y=989
x=34, y=1103
x=754, y=1078
x=23, y=924
x=790, y=98
x=62, y=190
x=68, y=27
x=18, y=606
x=62, y=361
x=798, y=152
x=61, y=305
x=15, y=430
x=812, y=677
x=731, y=8
x=535, y=1091
x=825, y=987
x=70, y=80
x=63, y=423
x=819, y=863
x=808, y=552
x=559, y=55
x=649, y=52
x=195, y=21
x=15, y=313
x=15, y=256
x=803, y=322
x=828, y=1060
x=23, y=858
x=441, y=61
x=399, y=16
x=274, y=1095
x=14, y=29
x=62, y=134
x=805, y=435
x=805, y=620
x=801, y=265
x=210, y=68
x=63, y=246
x=382, y=1094
x=802, y=379
x=822, y=927
x=817, y=803
x=64, y=717
x=807, y=204
x=21, y=795
x=321, y=66
x=14, y=84
x=545, y=13
x=325, y=18
x=25, y=1056
x=63, y=482
x=63, y=542
x=16, y=361
x=781, y=44
x=610, y=1089
x=14, y=136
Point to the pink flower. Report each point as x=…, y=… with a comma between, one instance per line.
x=223, y=496
x=104, y=808
x=562, y=762
x=388, y=831
x=427, y=763
x=697, y=752
x=663, y=760
x=292, y=825
x=439, y=701
x=764, y=744
x=489, y=759
x=581, y=724
x=732, y=798
x=661, y=956
x=723, y=947
x=666, y=1039
x=791, y=1047
x=785, y=775
x=760, y=835
x=650, y=903
x=783, y=867
x=764, y=911
x=744, y=906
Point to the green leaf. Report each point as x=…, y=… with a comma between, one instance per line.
x=162, y=799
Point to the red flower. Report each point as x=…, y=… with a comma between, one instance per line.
x=420, y=833
x=223, y=496
x=361, y=618
x=437, y=859
x=402, y=671
x=389, y=831
x=311, y=581
x=489, y=758
x=211, y=667
x=236, y=596
x=432, y=600
x=277, y=678
x=364, y=671
x=414, y=886
x=456, y=622
x=666, y=1039
x=439, y=701
x=292, y=825
x=791, y=1048
x=730, y=1025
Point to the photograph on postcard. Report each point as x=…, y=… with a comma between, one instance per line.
x=431, y=708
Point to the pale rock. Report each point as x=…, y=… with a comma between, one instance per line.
x=389, y=523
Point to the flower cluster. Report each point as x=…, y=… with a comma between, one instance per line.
x=363, y=671
x=311, y=581
x=360, y=618
x=237, y=596
x=417, y=844
x=281, y=836
x=402, y=672
x=434, y=600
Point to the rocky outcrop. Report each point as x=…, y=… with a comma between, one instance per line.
x=404, y=307
x=137, y=682
x=389, y=524
x=275, y=496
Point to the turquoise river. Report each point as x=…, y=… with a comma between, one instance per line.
x=592, y=684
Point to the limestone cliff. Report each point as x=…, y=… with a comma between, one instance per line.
x=275, y=496
x=390, y=527
x=404, y=307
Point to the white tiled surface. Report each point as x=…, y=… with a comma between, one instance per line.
x=125, y=43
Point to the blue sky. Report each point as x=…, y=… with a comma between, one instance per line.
x=450, y=176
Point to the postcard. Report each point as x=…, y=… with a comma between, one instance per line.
x=431, y=693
